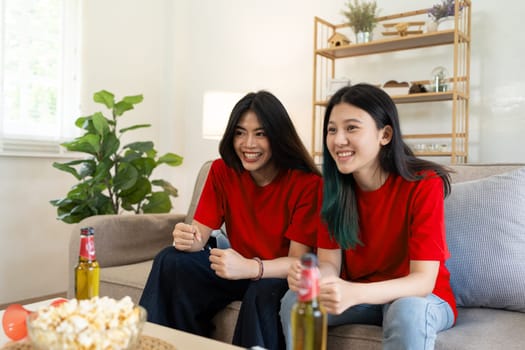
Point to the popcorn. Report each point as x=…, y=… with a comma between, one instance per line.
x=94, y=324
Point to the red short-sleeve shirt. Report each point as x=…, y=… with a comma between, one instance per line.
x=261, y=221
x=401, y=221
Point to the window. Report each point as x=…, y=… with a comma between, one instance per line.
x=39, y=74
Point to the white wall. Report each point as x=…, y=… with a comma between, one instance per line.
x=174, y=51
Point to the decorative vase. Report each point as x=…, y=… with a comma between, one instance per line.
x=431, y=26
x=363, y=37
x=445, y=23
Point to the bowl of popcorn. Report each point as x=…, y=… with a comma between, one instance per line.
x=95, y=324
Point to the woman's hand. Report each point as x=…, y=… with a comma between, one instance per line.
x=229, y=264
x=294, y=275
x=184, y=236
x=336, y=295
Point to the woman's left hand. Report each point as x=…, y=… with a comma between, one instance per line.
x=335, y=295
x=229, y=264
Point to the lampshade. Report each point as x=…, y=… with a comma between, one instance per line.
x=217, y=107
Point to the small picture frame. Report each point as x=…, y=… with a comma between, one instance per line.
x=335, y=84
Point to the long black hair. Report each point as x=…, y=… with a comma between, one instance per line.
x=339, y=208
x=288, y=151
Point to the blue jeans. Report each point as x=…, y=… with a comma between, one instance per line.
x=408, y=323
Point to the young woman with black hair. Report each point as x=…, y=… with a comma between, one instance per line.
x=382, y=252
x=266, y=190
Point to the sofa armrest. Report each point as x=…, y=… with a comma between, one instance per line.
x=124, y=239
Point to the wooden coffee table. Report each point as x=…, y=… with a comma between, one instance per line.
x=180, y=340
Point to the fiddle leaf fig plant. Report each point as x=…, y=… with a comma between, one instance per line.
x=113, y=178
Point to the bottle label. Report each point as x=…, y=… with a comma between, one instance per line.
x=87, y=247
x=309, y=289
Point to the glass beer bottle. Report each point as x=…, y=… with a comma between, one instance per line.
x=87, y=271
x=309, y=323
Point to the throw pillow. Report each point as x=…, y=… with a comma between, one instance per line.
x=485, y=223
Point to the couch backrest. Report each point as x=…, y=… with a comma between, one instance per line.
x=197, y=190
x=463, y=172
x=474, y=171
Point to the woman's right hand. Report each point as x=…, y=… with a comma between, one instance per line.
x=294, y=275
x=184, y=236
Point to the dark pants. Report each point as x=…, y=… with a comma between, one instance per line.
x=183, y=292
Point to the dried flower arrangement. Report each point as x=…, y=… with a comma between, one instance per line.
x=444, y=9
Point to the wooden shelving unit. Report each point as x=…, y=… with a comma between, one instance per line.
x=458, y=93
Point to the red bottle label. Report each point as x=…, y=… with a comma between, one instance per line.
x=309, y=289
x=87, y=247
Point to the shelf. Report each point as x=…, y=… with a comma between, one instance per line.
x=426, y=97
x=433, y=154
x=457, y=96
x=417, y=98
x=422, y=153
x=438, y=38
x=439, y=154
x=434, y=136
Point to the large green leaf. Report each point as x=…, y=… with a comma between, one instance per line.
x=133, y=127
x=170, y=159
x=131, y=155
x=68, y=168
x=73, y=218
x=63, y=203
x=133, y=99
x=101, y=205
x=167, y=187
x=126, y=177
x=86, y=123
x=144, y=146
x=87, y=168
x=73, y=212
x=105, y=97
x=158, y=202
x=144, y=166
x=136, y=193
x=87, y=143
x=121, y=107
x=100, y=123
x=103, y=171
x=110, y=145
x=78, y=193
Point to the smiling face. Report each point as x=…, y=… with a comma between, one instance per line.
x=252, y=146
x=354, y=141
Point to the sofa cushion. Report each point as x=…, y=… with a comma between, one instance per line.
x=119, y=281
x=478, y=328
x=485, y=222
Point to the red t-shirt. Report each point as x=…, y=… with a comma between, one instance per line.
x=261, y=221
x=401, y=221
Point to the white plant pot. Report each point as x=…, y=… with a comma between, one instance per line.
x=431, y=26
x=363, y=37
x=445, y=23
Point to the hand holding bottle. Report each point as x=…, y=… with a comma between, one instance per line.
x=309, y=321
x=294, y=275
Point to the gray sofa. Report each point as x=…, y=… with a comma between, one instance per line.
x=485, y=218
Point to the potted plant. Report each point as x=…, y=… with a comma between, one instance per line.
x=113, y=178
x=443, y=11
x=362, y=18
